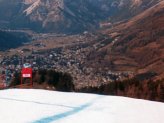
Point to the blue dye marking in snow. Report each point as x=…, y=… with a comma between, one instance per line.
x=65, y=114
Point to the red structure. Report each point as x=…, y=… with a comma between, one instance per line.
x=2, y=84
x=26, y=73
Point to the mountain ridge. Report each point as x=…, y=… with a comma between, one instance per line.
x=67, y=16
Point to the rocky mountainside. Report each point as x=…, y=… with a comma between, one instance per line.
x=67, y=16
x=136, y=45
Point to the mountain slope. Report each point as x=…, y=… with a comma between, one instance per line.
x=137, y=45
x=66, y=16
x=43, y=106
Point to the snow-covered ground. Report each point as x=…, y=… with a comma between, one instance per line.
x=41, y=106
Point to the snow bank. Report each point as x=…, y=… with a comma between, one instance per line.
x=41, y=106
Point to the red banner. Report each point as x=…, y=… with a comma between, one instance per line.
x=27, y=72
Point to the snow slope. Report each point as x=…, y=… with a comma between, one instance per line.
x=40, y=106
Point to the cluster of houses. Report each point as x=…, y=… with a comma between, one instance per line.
x=70, y=59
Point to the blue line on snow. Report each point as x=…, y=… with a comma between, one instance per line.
x=66, y=114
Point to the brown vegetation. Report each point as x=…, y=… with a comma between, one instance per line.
x=150, y=90
x=138, y=45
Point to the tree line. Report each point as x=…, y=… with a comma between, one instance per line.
x=135, y=88
x=147, y=89
x=59, y=80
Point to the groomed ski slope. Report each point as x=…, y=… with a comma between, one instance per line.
x=41, y=106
